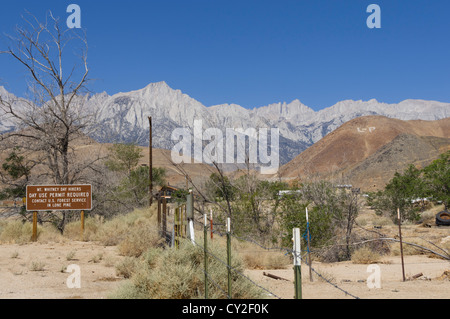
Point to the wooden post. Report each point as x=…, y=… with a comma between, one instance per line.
x=164, y=217
x=401, y=243
x=184, y=222
x=211, y=222
x=82, y=225
x=229, y=255
x=308, y=245
x=34, y=236
x=175, y=228
x=297, y=263
x=205, y=248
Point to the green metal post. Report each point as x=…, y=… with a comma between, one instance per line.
x=205, y=247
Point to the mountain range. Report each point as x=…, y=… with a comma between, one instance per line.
x=123, y=117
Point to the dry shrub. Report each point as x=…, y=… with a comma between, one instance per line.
x=179, y=274
x=365, y=255
x=139, y=238
x=37, y=266
x=265, y=260
x=254, y=257
x=50, y=234
x=114, y=231
x=382, y=221
x=20, y=232
x=126, y=267
x=17, y=232
x=73, y=229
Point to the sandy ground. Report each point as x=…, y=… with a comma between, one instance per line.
x=352, y=278
x=38, y=271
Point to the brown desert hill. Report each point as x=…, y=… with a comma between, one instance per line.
x=335, y=155
x=175, y=174
x=396, y=156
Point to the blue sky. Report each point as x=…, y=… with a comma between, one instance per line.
x=254, y=53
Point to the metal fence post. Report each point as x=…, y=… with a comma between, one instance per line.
x=229, y=255
x=401, y=241
x=297, y=263
x=308, y=237
x=205, y=248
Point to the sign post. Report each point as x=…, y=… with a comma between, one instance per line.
x=58, y=197
x=34, y=236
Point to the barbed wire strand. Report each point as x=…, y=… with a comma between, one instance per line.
x=251, y=240
x=234, y=269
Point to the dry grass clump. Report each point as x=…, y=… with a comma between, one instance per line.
x=255, y=257
x=139, y=239
x=72, y=230
x=16, y=232
x=126, y=267
x=114, y=231
x=179, y=274
x=365, y=255
x=265, y=260
x=49, y=234
x=382, y=221
x=37, y=266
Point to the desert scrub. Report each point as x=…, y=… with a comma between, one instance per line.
x=127, y=267
x=17, y=232
x=365, y=255
x=72, y=230
x=179, y=274
x=265, y=260
x=37, y=266
x=114, y=231
x=138, y=239
x=71, y=255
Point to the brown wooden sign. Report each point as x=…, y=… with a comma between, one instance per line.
x=59, y=197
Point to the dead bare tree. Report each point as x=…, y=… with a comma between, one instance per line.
x=53, y=118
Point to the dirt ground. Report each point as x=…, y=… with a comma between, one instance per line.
x=352, y=278
x=39, y=271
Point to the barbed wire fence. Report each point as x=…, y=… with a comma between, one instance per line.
x=171, y=236
x=216, y=230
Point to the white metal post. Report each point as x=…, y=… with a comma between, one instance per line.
x=297, y=263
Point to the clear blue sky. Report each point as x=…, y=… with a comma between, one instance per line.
x=257, y=52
